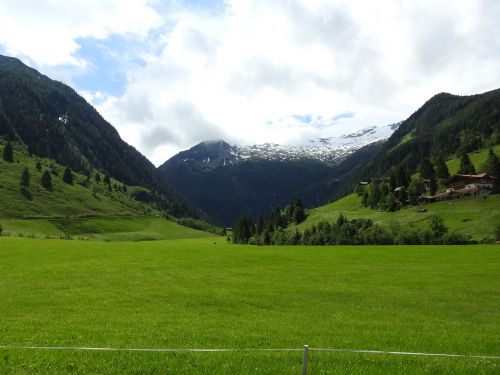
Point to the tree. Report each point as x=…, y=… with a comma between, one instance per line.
x=68, y=176
x=25, y=178
x=437, y=227
x=466, y=166
x=426, y=169
x=38, y=166
x=266, y=238
x=46, y=180
x=401, y=177
x=8, y=153
x=107, y=180
x=492, y=164
x=415, y=190
x=1, y=229
x=241, y=230
x=432, y=186
x=97, y=177
x=441, y=168
x=298, y=214
x=374, y=195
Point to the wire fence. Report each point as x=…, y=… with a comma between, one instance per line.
x=306, y=350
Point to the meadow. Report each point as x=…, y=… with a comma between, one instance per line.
x=477, y=218
x=205, y=293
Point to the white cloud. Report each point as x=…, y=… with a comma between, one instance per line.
x=243, y=71
x=47, y=31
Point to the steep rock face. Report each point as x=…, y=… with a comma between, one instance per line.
x=53, y=121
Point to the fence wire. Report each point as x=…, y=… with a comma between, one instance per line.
x=223, y=350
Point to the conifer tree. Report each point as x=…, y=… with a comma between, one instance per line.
x=38, y=166
x=492, y=164
x=374, y=195
x=68, y=176
x=8, y=153
x=466, y=166
x=107, y=180
x=441, y=168
x=46, y=180
x=401, y=176
x=25, y=178
x=298, y=215
x=426, y=169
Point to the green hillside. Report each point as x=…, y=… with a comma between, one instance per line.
x=475, y=217
x=477, y=158
x=53, y=121
x=446, y=125
x=84, y=209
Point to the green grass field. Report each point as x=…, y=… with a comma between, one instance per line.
x=474, y=217
x=204, y=293
x=135, y=228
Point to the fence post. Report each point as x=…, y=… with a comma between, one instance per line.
x=304, y=363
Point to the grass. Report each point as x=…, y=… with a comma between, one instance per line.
x=477, y=158
x=85, y=209
x=199, y=294
x=64, y=200
x=135, y=228
x=475, y=217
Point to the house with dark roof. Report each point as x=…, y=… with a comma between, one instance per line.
x=462, y=186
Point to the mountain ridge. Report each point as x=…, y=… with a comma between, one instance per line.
x=55, y=122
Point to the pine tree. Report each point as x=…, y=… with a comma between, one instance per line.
x=38, y=166
x=46, y=180
x=107, y=180
x=68, y=176
x=375, y=195
x=266, y=238
x=441, y=168
x=426, y=169
x=298, y=214
x=401, y=176
x=25, y=178
x=8, y=153
x=466, y=166
x=492, y=164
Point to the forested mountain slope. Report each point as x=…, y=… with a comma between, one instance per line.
x=54, y=122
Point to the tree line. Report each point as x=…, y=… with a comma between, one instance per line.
x=266, y=225
x=352, y=232
x=399, y=189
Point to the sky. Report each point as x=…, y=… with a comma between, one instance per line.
x=169, y=74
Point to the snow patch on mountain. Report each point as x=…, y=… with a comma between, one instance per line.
x=209, y=155
x=329, y=150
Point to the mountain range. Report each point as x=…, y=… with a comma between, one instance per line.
x=215, y=179
x=225, y=180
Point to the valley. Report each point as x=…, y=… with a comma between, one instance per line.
x=109, y=264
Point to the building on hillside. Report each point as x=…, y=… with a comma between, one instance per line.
x=484, y=182
x=462, y=186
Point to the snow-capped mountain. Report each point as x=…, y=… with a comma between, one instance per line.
x=209, y=155
x=329, y=150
